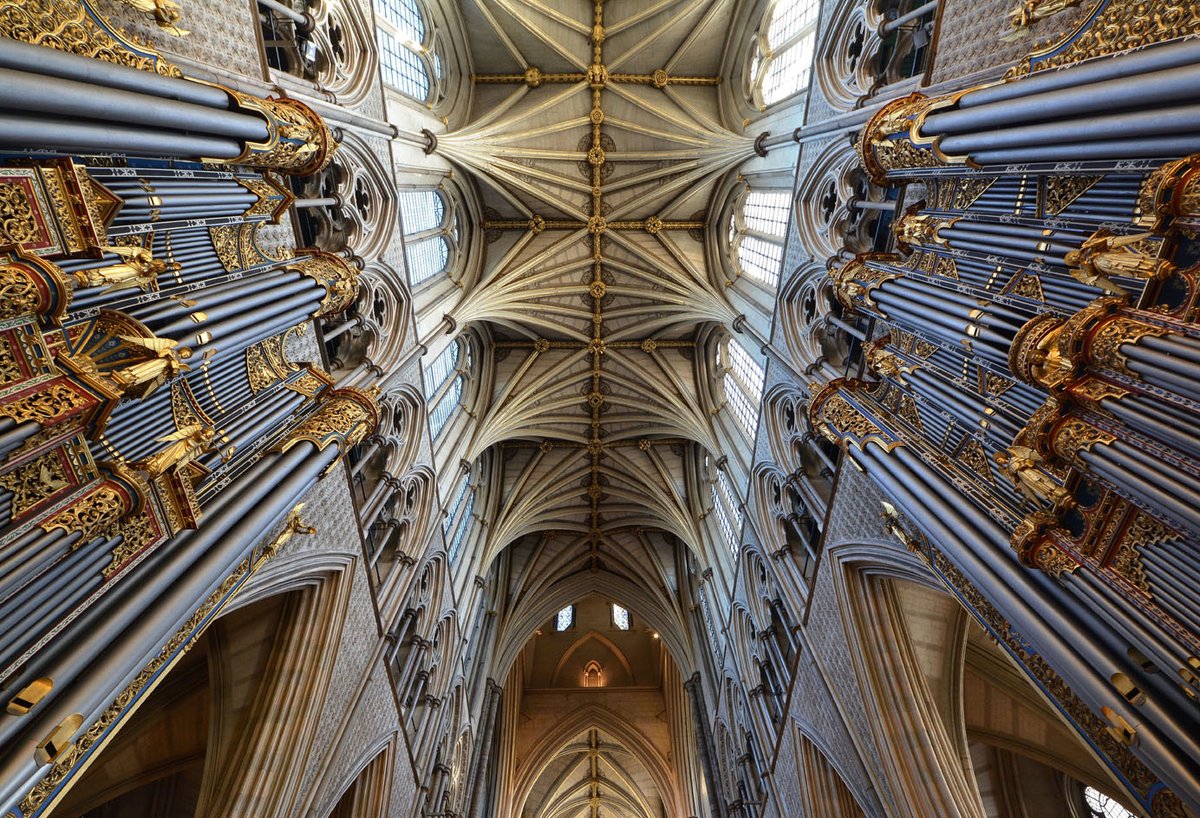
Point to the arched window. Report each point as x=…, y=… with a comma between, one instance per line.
x=444, y=386
x=743, y=387
x=728, y=512
x=565, y=619
x=756, y=232
x=620, y=617
x=427, y=224
x=783, y=55
x=404, y=56
x=1102, y=806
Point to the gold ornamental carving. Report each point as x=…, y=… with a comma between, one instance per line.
x=31, y=286
x=885, y=143
x=46, y=403
x=338, y=276
x=298, y=143
x=54, y=208
x=1105, y=341
x=343, y=417
x=34, y=482
x=1034, y=541
x=856, y=280
x=142, y=685
x=1073, y=436
x=1028, y=12
x=1114, y=26
x=1060, y=192
x=137, y=269
x=1171, y=193
x=75, y=27
x=183, y=447
x=98, y=512
x=1104, y=255
x=1024, y=467
x=1036, y=356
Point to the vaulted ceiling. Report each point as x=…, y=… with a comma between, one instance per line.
x=596, y=145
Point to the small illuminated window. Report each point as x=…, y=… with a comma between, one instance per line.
x=593, y=675
x=620, y=617
x=566, y=618
x=1104, y=807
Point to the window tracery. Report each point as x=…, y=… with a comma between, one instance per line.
x=728, y=512
x=782, y=59
x=444, y=381
x=407, y=57
x=429, y=230
x=743, y=380
x=1102, y=806
x=757, y=229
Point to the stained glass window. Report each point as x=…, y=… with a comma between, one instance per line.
x=620, y=617
x=566, y=618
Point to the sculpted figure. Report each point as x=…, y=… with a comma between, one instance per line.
x=1021, y=465
x=144, y=377
x=137, y=268
x=166, y=14
x=1028, y=12
x=1105, y=255
x=185, y=445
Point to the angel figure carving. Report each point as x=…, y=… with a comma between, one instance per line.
x=1028, y=12
x=137, y=268
x=141, y=378
x=184, y=446
x=166, y=14
x=1020, y=464
x=1105, y=255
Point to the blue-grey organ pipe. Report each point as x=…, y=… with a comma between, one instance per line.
x=1082, y=656
x=51, y=63
x=97, y=653
x=1157, y=420
x=35, y=93
x=29, y=553
x=13, y=434
x=1148, y=60
x=18, y=131
x=1133, y=147
x=1158, y=88
x=1148, y=481
x=1181, y=120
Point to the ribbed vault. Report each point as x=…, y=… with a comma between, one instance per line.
x=596, y=145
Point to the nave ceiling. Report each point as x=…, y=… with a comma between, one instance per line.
x=596, y=145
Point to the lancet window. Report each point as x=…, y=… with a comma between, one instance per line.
x=1101, y=806
x=428, y=227
x=756, y=232
x=783, y=54
x=444, y=386
x=727, y=510
x=405, y=59
x=743, y=387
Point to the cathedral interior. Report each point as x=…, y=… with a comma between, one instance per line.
x=600, y=408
